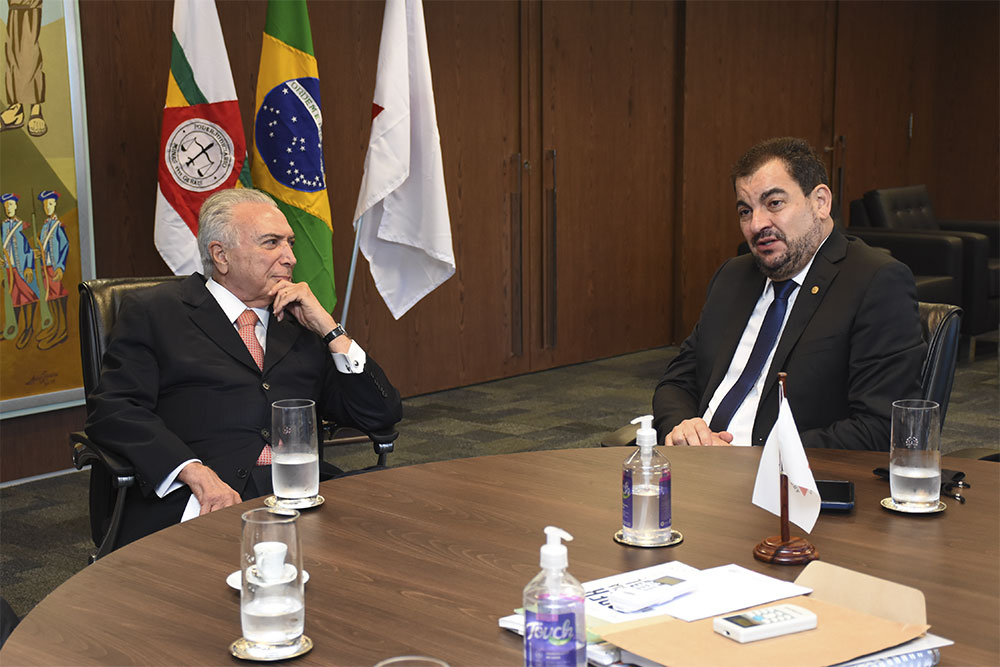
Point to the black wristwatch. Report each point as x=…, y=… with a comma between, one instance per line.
x=334, y=333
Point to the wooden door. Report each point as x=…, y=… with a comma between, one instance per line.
x=885, y=71
x=605, y=176
x=467, y=330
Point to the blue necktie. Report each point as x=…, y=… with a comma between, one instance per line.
x=766, y=338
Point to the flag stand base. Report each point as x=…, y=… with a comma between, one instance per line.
x=794, y=551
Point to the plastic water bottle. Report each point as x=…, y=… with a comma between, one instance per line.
x=646, y=490
x=555, y=632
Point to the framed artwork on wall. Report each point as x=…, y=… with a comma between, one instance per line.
x=47, y=228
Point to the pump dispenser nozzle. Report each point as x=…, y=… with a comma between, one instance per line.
x=646, y=435
x=554, y=552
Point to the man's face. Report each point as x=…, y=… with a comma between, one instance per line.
x=49, y=205
x=10, y=207
x=783, y=226
x=262, y=256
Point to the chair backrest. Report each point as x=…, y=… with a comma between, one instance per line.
x=907, y=207
x=100, y=300
x=939, y=323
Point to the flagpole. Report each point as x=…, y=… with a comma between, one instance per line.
x=350, y=276
x=784, y=550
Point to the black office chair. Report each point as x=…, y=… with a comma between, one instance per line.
x=111, y=475
x=940, y=325
x=907, y=209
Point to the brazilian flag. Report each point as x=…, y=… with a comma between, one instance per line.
x=287, y=158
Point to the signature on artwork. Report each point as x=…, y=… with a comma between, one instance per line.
x=44, y=379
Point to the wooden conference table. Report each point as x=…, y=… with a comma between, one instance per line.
x=424, y=559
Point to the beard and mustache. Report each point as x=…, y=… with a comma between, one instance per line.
x=798, y=251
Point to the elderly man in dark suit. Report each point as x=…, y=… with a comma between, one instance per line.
x=193, y=367
x=837, y=316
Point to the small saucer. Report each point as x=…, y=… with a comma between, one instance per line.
x=272, y=501
x=235, y=581
x=675, y=538
x=241, y=649
x=889, y=504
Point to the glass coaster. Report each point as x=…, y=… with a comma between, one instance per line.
x=272, y=501
x=889, y=504
x=675, y=539
x=243, y=650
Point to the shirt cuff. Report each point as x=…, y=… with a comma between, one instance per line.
x=353, y=361
x=170, y=482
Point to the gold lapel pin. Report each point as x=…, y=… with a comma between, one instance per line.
x=815, y=289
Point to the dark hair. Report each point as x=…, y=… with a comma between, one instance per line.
x=801, y=161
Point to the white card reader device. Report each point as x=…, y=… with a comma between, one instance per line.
x=782, y=619
x=638, y=595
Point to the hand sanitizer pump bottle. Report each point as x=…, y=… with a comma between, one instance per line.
x=555, y=633
x=646, y=491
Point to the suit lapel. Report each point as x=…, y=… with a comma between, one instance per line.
x=811, y=294
x=744, y=295
x=281, y=337
x=207, y=315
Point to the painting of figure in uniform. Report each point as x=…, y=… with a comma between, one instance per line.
x=24, y=80
x=54, y=246
x=19, y=296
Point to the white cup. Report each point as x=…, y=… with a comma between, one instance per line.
x=270, y=559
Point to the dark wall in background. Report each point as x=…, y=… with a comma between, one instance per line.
x=647, y=105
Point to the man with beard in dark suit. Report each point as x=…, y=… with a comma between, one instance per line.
x=839, y=317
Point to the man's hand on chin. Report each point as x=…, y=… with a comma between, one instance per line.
x=212, y=493
x=298, y=299
x=696, y=433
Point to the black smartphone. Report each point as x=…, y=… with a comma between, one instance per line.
x=835, y=494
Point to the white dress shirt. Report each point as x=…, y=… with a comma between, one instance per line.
x=741, y=425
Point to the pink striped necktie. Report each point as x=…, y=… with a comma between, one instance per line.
x=246, y=323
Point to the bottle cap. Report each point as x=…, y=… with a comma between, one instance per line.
x=554, y=552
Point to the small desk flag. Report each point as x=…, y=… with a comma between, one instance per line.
x=287, y=158
x=202, y=147
x=784, y=451
x=402, y=211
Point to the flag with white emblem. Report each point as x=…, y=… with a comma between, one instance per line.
x=202, y=147
x=287, y=158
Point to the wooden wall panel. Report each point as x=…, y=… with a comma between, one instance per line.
x=940, y=62
x=885, y=68
x=964, y=174
x=608, y=107
x=753, y=70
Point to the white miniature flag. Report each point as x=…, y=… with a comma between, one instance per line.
x=784, y=451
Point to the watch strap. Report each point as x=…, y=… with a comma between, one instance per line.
x=336, y=332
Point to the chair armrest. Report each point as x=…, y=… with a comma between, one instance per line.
x=926, y=253
x=85, y=453
x=988, y=228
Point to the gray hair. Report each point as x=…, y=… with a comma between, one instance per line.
x=215, y=217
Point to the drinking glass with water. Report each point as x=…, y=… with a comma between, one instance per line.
x=294, y=452
x=272, y=602
x=915, y=455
